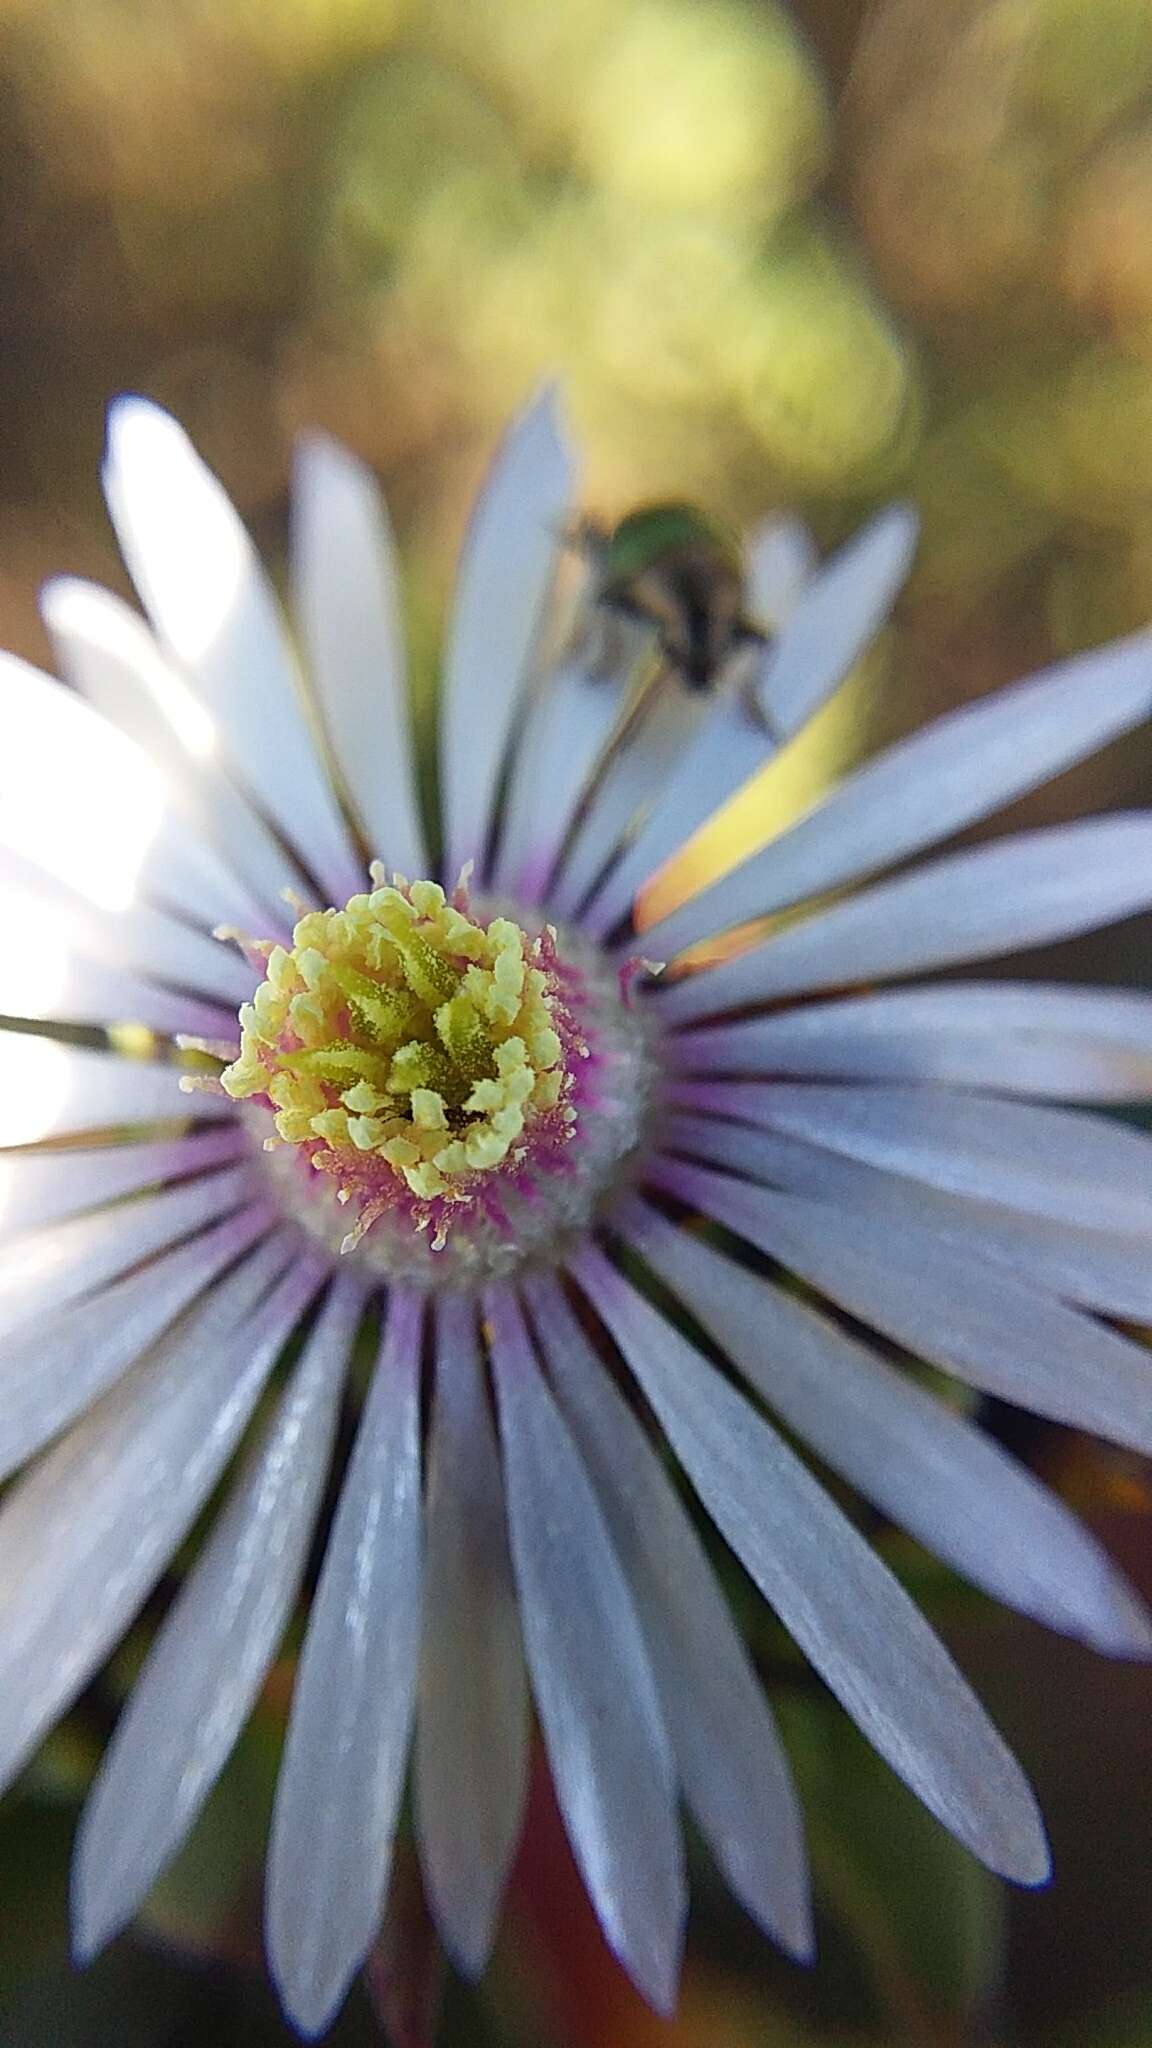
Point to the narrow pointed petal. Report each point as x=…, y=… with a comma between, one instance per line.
x=46, y=1187
x=210, y=1659
x=1105, y=1270
x=780, y=559
x=733, y=1768
x=835, y=617
x=48, y=976
x=568, y=727
x=959, y=769
x=86, y=1533
x=1060, y=1163
x=346, y=584
x=636, y=774
x=347, y=1744
x=983, y=1324
x=214, y=612
x=52, y=1369
x=502, y=590
x=106, y=651
x=1078, y=1044
x=47, y=1268
x=1023, y=891
x=848, y=1614
x=928, y=1469
x=83, y=802
x=590, y=1673
x=472, y=1722
x=48, y=1090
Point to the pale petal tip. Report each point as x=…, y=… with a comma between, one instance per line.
x=137, y=429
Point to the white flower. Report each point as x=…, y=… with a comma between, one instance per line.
x=520, y=1111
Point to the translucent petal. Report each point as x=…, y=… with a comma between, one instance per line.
x=503, y=584
x=960, y=769
x=780, y=558
x=733, y=1769
x=1106, y=1270
x=1080, y=1044
x=472, y=1724
x=590, y=1674
x=926, y=1467
x=347, y=1744
x=347, y=597
x=48, y=1089
x=85, y=1534
x=46, y=976
x=214, y=612
x=43, y=1269
x=209, y=1660
x=1021, y=891
x=84, y=803
x=849, y=1615
x=637, y=771
x=45, y=1187
x=834, y=618
x=106, y=651
x=567, y=728
x=983, y=1324
x=53, y=1369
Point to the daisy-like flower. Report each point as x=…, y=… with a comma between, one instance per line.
x=465, y=1113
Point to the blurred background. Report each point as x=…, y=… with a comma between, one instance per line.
x=815, y=256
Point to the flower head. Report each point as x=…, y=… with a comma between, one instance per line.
x=467, y=1112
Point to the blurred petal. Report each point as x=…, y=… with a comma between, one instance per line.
x=209, y=1660
x=502, y=588
x=48, y=1089
x=734, y=1771
x=590, y=1673
x=636, y=773
x=106, y=651
x=780, y=558
x=1022, y=891
x=835, y=618
x=848, y=1614
x=1081, y=1044
x=50, y=1372
x=214, y=612
x=959, y=769
x=87, y=1531
x=567, y=728
x=48, y=975
x=342, y=1772
x=347, y=599
x=45, y=1187
x=1110, y=1271
x=929, y=1470
x=983, y=1324
x=472, y=1722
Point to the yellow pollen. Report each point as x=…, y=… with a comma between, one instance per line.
x=402, y=1042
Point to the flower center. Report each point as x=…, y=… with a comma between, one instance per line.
x=436, y=1067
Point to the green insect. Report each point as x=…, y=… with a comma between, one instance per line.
x=681, y=572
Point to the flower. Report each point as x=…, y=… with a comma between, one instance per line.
x=472, y=1113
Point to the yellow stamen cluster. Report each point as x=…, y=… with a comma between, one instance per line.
x=398, y=1032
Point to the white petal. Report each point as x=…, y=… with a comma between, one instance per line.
x=56, y=1264
x=472, y=1724
x=502, y=589
x=1080, y=1044
x=347, y=1744
x=834, y=618
x=89, y=1529
x=106, y=651
x=48, y=1089
x=44, y=1187
x=734, y=1771
x=637, y=771
x=209, y=1660
x=780, y=559
x=846, y=1611
x=1106, y=1270
x=983, y=1324
x=1059, y=1163
x=590, y=1673
x=960, y=769
x=346, y=588
x=45, y=975
x=60, y=920
x=928, y=1469
x=54, y=1369
x=83, y=802
x=1022, y=891
x=568, y=727
x=214, y=612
